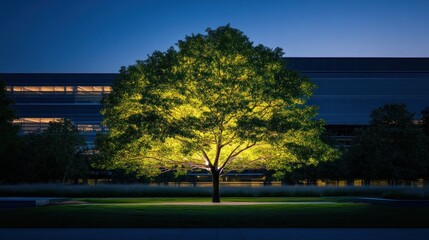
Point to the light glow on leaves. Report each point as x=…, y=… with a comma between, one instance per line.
x=217, y=103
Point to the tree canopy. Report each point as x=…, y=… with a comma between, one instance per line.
x=8, y=135
x=425, y=120
x=392, y=147
x=217, y=103
x=54, y=154
x=8, y=131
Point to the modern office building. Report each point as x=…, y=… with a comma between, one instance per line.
x=348, y=90
x=42, y=98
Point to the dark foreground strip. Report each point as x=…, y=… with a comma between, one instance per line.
x=214, y=234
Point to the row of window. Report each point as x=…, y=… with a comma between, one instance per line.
x=29, y=125
x=59, y=89
x=35, y=120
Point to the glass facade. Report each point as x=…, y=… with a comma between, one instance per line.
x=348, y=89
x=29, y=125
x=42, y=98
x=349, y=99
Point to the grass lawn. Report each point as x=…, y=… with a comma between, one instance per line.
x=127, y=212
x=205, y=199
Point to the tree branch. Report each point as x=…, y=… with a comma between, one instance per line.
x=206, y=158
x=240, y=168
x=233, y=155
x=196, y=165
x=190, y=164
x=230, y=139
x=218, y=149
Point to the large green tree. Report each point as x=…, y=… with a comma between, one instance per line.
x=392, y=147
x=217, y=103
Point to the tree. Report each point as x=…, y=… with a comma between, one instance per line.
x=63, y=145
x=392, y=147
x=425, y=121
x=54, y=154
x=218, y=103
x=8, y=131
x=9, y=140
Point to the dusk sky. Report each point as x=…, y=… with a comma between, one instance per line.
x=90, y=36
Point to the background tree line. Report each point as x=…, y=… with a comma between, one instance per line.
x=52, y=155
x=393, y=147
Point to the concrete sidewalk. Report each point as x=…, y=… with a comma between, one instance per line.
x=213, y=234
x=17, y=202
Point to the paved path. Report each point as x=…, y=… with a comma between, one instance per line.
x=12, y=202
x=214, y=234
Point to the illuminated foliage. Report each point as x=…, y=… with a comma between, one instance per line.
x=217, y=103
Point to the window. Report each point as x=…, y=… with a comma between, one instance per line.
x=89, y=127
x=60, y=89
x=107, y=89
x=89, y=89
x=35, y=120
x=29, y=125
x=41, y=89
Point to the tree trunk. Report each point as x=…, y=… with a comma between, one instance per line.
x=216, y=193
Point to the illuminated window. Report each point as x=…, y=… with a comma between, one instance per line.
x=85, y=127
x=35, y=120
x=8, y=88
x=89, y=89
x=48, y=120
x=31, y=88
x=29, y=125
x=47, y=88
x=89, y=127
x=97, y=128
x=61, y=89
x=40, y=89
x=107, y=89
x=17, y=88
x=98, y=88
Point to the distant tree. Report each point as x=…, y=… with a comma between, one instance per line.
x=217, y=103
x=425, y=121
x=63, y=148
x=8, y=131
x=8, y=137
x=55, y=154
x=392, y=147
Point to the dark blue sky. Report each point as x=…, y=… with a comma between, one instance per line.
x=102, y=35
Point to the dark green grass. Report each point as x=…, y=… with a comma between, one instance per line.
x=139, y=190
x=342, y=214
x=205, y=199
